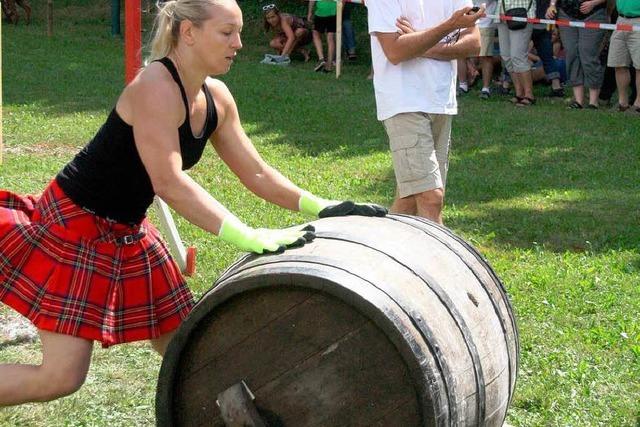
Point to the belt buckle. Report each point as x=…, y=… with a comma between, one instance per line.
x=128, y=239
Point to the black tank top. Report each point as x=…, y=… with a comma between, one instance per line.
x=108, y=177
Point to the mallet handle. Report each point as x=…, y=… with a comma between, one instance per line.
x=170, y=233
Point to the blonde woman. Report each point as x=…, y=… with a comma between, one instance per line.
x=81, y=261
x=291, y=32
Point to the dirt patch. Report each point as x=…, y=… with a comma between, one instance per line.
x=14, y=327
x=44, y=148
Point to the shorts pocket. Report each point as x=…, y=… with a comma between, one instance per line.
x=410, y=157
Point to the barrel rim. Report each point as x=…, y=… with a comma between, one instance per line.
x=222, y=293
x=501, y=288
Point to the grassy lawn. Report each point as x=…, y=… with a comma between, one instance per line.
x=550, y=196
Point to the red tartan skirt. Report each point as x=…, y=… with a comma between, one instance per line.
x=71, y=272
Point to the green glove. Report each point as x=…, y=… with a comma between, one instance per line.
x=262, y=240
x=322, y=208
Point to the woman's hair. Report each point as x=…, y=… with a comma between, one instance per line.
x=265, y=11
x=166, y=26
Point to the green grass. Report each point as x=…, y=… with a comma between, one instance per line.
x=549, y=196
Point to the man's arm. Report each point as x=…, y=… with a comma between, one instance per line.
x=467, y=46
x=399, y=47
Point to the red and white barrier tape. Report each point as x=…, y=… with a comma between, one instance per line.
x=567, y=23
x=558, y=22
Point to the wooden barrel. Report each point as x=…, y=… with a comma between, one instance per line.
x=379, y=322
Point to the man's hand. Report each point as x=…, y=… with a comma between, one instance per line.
x=587, y=6
x=404, y=26
x=551, y=12
x=465, y=18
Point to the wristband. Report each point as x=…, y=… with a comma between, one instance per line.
x=312, y=205
x=235, y=232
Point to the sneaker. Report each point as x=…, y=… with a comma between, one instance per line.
x=557, y=93
x=321, y=65
x=268, y=59
x=485, y=93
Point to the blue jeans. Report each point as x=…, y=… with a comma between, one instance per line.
x=542, y=42
x=349, y=35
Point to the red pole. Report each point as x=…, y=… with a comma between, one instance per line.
x=133, y=40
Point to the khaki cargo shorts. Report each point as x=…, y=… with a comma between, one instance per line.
x=419, y=145
x=487, y=41
x=624, y=47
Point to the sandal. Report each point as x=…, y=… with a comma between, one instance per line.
x=622, y=108
x=525, y=102
x=592, y=107
x=516, y=99
x=575, y=105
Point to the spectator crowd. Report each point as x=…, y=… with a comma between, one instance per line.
x=587, y=64
x=591, y=63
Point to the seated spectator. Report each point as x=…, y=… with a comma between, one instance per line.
x=582, y=47
x=624, y=51
x=291, y=32
x=539, y=70
x=514, y=48
x=541, y=37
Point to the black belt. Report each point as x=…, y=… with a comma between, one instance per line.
x=628, y=17
x=130, y=239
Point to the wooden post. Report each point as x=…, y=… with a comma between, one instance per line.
x=339, y=7
x=132, y=39
x=49, y=18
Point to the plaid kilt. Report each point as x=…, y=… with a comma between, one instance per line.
x=71, y=272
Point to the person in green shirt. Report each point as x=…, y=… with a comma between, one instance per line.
x=324, y=22
x=624, y=51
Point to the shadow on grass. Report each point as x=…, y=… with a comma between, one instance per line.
x=596, y=221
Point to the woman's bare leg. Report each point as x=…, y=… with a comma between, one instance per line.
x=160, y=344
x=64, y=367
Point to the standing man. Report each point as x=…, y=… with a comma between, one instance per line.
x=414, y=48
x=624, y=51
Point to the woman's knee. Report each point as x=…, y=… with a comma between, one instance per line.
x=275, y=43
x=57, y=382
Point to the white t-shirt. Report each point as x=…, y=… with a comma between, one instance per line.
x=419, y=84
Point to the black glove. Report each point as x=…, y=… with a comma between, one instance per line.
x=350, y=208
